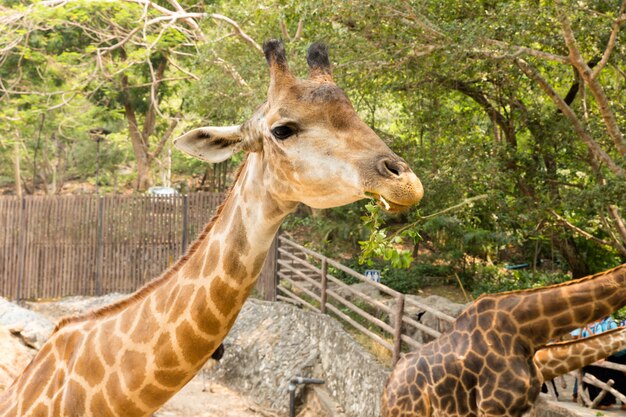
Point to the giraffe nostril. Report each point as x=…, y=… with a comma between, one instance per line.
x=390, y=167
x=393, y=169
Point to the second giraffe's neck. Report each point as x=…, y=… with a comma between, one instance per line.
x=560, y=358
x=547, y=313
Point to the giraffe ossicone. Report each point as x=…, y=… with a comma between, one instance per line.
x=305, y=144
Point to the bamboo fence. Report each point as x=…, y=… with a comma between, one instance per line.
x=88, y=245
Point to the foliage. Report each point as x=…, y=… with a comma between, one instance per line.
x=494, y=280
x=620, y=315
x=519, y=149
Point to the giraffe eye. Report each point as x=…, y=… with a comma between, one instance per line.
x=282, y=132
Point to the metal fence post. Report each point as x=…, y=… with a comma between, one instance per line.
x=324, y=285
x=397, y=334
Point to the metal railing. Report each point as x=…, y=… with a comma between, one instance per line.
x=309, y=279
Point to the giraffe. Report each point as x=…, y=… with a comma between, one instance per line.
x=559, y=358
x=483, y=365
x=305, y=144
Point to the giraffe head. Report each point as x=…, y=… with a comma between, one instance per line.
x=314, y=147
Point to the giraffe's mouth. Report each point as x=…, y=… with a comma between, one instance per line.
x=388, y=205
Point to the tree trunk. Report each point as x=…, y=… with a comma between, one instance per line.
x=58, y=170
x=140, y=148
x=18, y=177
x=568, y=250
x=144, y=176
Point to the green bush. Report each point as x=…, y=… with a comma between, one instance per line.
x=491, y=279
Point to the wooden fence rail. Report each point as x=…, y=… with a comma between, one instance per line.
x=88, y=245
x=308, y=278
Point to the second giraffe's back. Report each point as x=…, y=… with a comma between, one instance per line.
x=484, y=364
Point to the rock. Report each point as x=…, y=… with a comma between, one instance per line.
x=32, y=327
x=362, y=287
x=71, y=306
x=426, y=318
x=15, y=356
x=271, y=343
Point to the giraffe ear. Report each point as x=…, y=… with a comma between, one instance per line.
x=211, y=144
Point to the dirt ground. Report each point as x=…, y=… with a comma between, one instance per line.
x=216, y=401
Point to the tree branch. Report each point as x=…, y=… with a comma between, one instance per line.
x=522, y=50
x=153, y=106
x=231, y=70
x=285, y=32
x=619, y=222
x=238, y=30
x=165, y=138
x=621, y=18
x=480, y=98
x=298, y=34
x=595, y=87
x=184, y=71
x=188, y=18
x=579, y=230
x=618, y=243
x=190, y=21
x=133, y=126
x=593, y=146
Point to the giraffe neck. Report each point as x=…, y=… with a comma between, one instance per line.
x=130, y=358
x=218, y=277
x=547, y=313
x=560, y=358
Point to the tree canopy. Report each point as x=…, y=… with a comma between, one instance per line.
x=512, y=113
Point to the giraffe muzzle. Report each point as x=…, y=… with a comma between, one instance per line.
x=397, y=188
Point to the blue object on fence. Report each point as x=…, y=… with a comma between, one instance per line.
x=518, y=266
x=372, y=275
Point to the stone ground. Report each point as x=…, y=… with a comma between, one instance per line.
x=216, y=401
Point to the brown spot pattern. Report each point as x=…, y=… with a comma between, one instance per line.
x=122, y=405
x=146, y=326
x=182, y=302
x=110, y=343
x=100, y=407
x=213, y=259
x=74, y=399
x=202, y=316
x=164, y=354
x=152, y=396
x=38, y=382
x=194, y=346
x=223, y=296
x=90, y=368
x=134, y=365
x=171, y=378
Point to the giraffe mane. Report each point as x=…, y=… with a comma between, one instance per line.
x=548, y=287
x=143, y=292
